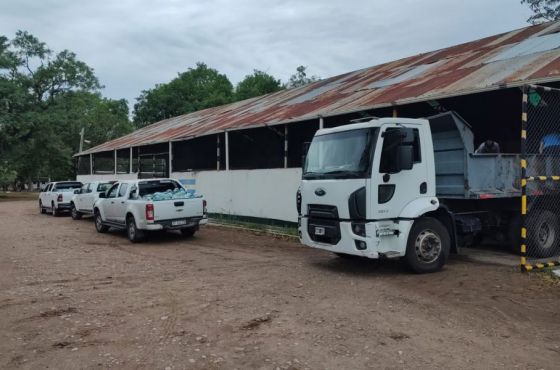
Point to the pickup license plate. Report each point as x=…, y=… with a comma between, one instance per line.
x=319, y=230
x=178, y=222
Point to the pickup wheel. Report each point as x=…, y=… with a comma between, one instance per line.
x=188, y=232
x=54, y=210
x=543, y=234
x=41, y=208
x=134, y=234
x=99, y=223
x=428, y=245
x=76, y=215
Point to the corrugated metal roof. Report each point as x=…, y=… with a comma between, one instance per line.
x=528, y=55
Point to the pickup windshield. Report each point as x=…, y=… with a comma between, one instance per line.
x=156, y=186
x=340, y=155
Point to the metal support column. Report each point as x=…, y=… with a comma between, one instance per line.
x=320, y=122
x=285, y=146
x=115, y=159
x=523, y=261
x=91, y=164
x=395, y=112
x=227, y=151
x=130, y=161
x=218, y=152
x=170, y=158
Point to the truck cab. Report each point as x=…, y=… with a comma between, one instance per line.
x=369, y=189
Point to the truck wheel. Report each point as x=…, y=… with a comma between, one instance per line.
x=428, y=245
x=54, y=211
x=543, y=234
x=41, y=208
x=76, y=215
x=188, y=232
x=134, y=234
x=99, y=223
x=514, y=234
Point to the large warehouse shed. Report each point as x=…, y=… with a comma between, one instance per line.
x=245, y=157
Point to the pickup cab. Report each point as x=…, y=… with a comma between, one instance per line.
x=56, y=196
x=83, y=200
x=138, y=206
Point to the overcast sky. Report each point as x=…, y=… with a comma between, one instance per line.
x=134, y=44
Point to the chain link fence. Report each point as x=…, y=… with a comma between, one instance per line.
x=540, y=172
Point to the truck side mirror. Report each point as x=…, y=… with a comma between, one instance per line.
x=406, y=157
x=102, y=195
x=77, y=191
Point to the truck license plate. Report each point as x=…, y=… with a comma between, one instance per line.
x=178, y=222
x=319, y=231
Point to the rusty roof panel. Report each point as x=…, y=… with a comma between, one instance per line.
x=527, y=55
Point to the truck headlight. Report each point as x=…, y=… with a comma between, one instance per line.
x=359, y=228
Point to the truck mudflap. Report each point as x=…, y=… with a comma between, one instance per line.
x=383, y=238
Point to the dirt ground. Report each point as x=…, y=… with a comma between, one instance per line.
x=226, y=299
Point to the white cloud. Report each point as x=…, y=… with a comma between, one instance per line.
x=134, y=44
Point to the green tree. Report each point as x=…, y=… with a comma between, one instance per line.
x=7, y=175
x=300, y=78
x=198, y=88
x=257, y=84
x=545, y=10
x=45, y=100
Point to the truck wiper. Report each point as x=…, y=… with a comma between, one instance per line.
x=313, y=175
x=345, y=173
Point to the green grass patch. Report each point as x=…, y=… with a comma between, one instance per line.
x=18, y=195
x=255, y=223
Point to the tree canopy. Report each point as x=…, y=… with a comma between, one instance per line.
x=257, y=84
x=300, y=78
x=46, y=98
x=544, y=10
x=198, y=88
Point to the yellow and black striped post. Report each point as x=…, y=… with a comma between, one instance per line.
x=523, y=261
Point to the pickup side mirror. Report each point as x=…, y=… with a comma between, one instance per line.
x=77, y=191
x=102, y=195
x=132, y=194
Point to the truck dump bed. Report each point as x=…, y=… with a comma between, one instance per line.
x=462, y=174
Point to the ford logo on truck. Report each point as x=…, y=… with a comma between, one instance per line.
x=320, y=192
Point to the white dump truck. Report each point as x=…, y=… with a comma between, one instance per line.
x=413, y=188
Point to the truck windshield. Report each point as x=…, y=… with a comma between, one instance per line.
x=340, y=155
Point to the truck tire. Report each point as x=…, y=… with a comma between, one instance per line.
x=41, y=208
x=188, y=232
x=76, y=215
x=543, y=234
x=54, y=210
x=134, y=234
x=428, y=245
x=514, y=234
x=99, y=223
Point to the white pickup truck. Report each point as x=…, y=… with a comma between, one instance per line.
x=83, y=200
x=138, y=206
x=56, y=196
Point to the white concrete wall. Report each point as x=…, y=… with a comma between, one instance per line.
x=268, y=193
x=107, y=177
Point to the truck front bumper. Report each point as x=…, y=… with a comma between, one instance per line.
x=383, y=238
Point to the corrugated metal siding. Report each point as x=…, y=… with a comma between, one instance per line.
x=509, y=59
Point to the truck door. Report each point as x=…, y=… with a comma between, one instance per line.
x=391, y=192
x=109, y=203
x=120, y=204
